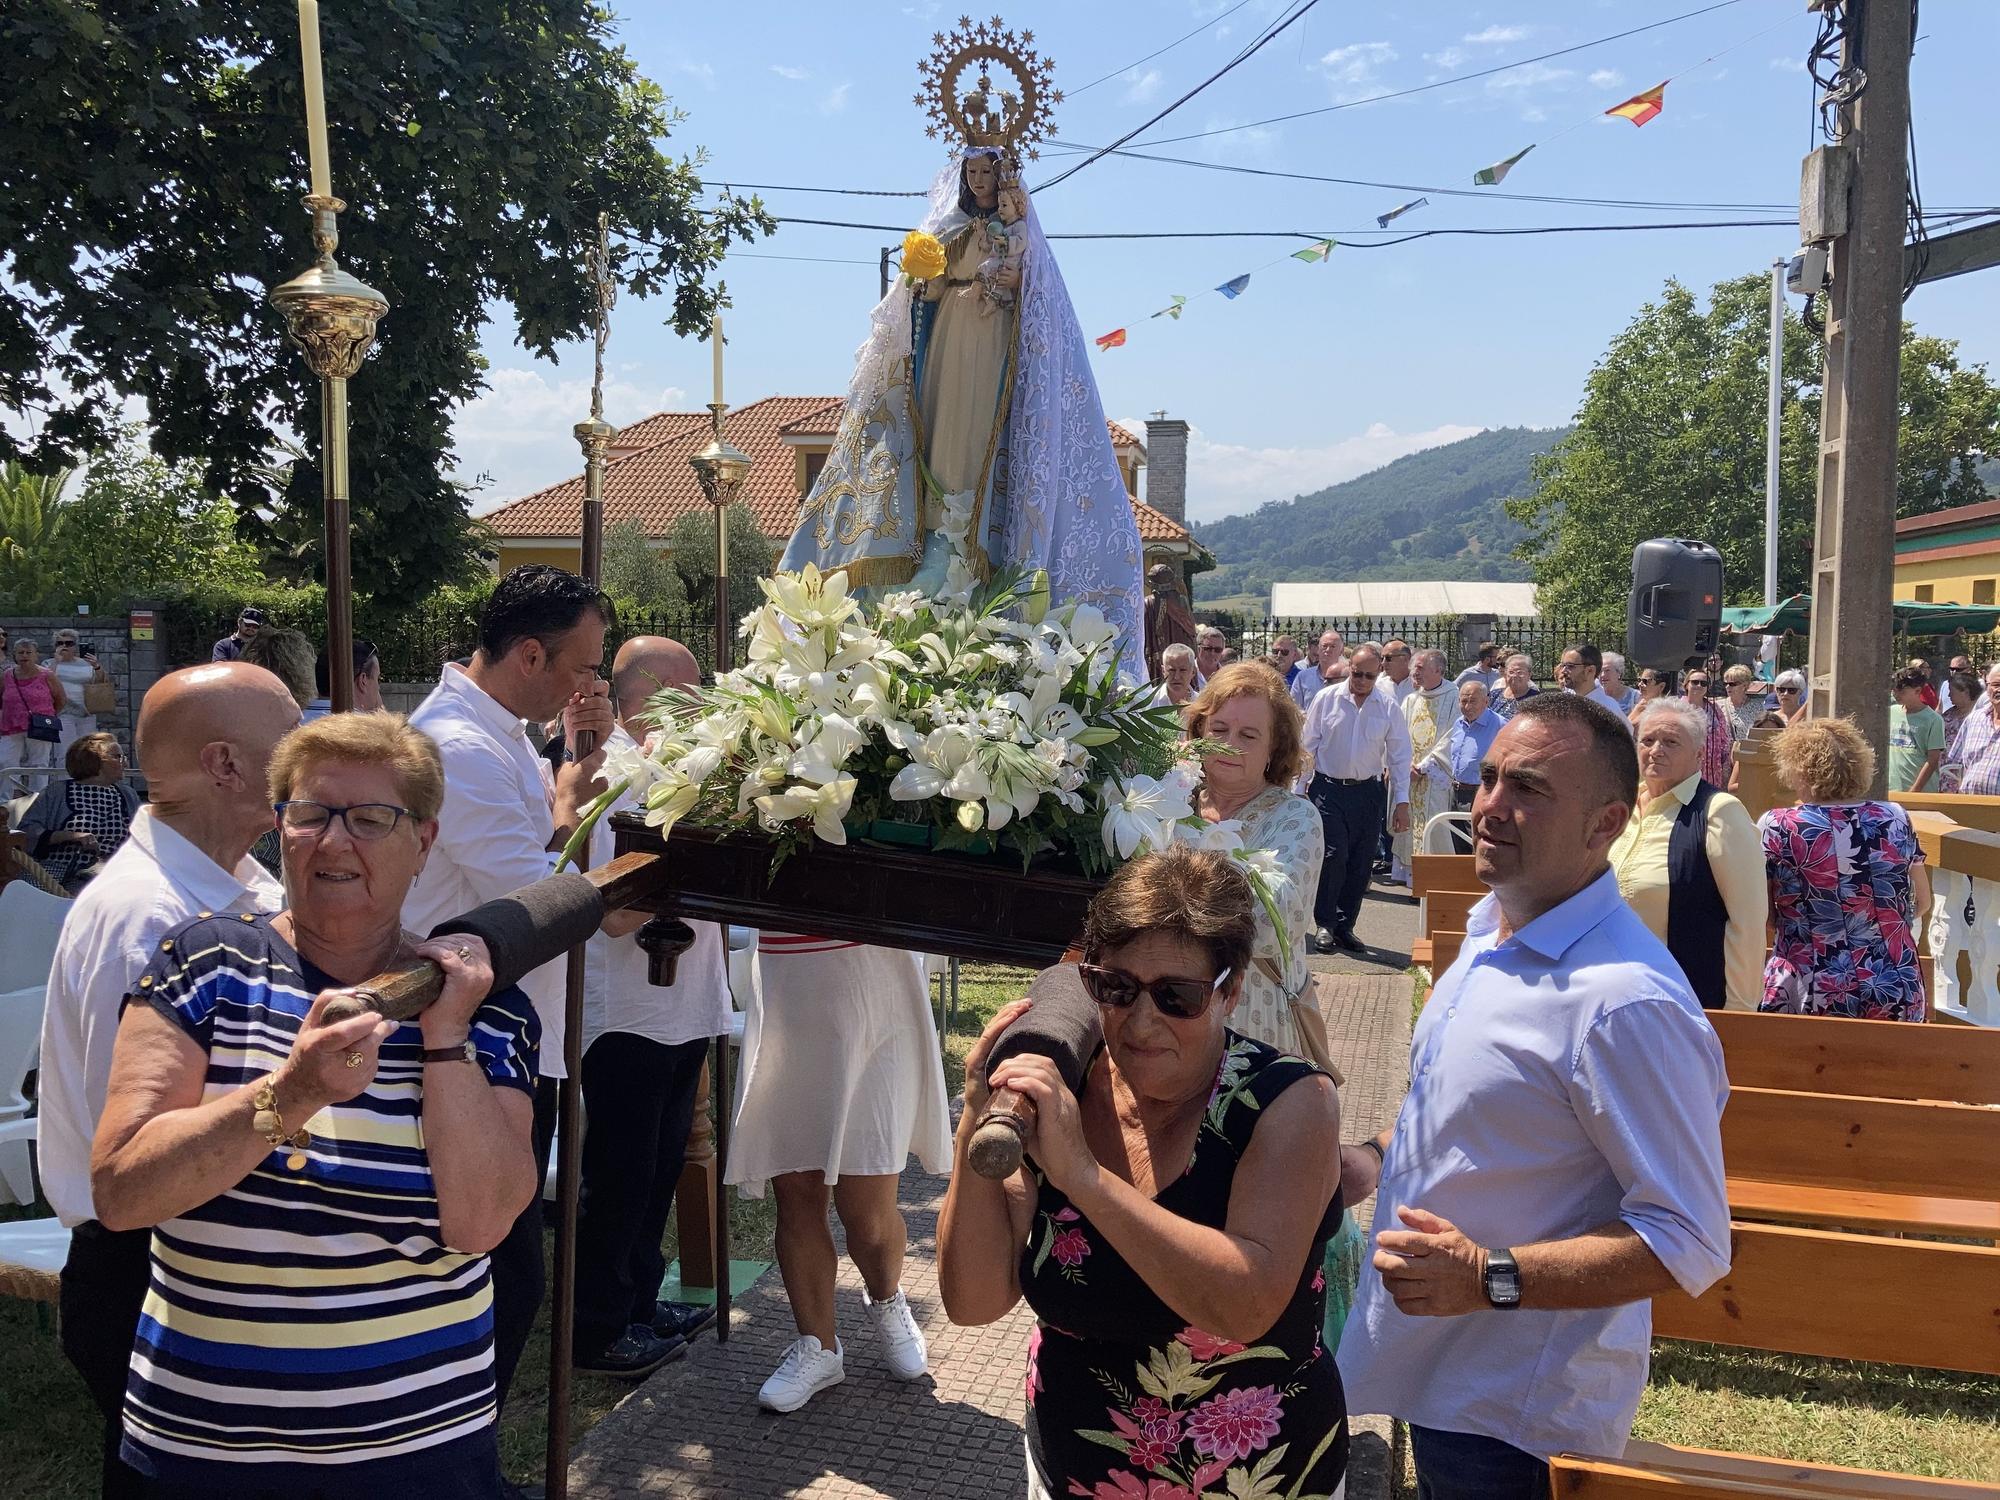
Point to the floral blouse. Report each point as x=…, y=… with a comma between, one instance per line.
x=1125, y=1400
x=1288, y=826
x=1840, y=898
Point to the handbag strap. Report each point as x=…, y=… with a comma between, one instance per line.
x=1271, y=972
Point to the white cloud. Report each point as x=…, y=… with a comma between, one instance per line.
x=1226, y=479
x=835, y=100
x=1788, y=65
x=1256, y=141
x=1351, y=70
x=518, y=429
x=1495, y=36
x=1530, y=76
x=1451, y=59
x=1605, y=78
x=796, y=75
x=1140, y=87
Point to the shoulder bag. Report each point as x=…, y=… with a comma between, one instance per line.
x=1307, y=1021
x=100, y=697
x=44, y=727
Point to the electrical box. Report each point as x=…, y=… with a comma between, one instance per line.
x=1674, y=617
x=1826, y=177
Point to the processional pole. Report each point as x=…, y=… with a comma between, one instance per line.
x=594, y=437
x=331, y=316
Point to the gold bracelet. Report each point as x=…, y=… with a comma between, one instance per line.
x=267, y=1123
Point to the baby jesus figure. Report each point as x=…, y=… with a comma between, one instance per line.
x=1006, y=245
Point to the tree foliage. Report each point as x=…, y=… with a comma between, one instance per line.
x=151, y=162
x=691, y=546
x=639, y=579
x=1670, y=441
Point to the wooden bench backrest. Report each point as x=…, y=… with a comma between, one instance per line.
x=1443, y=872
x=1839, y=1141
x=1880, y=1059
x=1447, y=910
x=1848, y=1296
x=1651, y=1470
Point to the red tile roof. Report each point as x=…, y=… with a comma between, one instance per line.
x=651, y=481
x=1121, y=437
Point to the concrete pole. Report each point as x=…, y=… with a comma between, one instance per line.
x=1771, y=415
x=1854, y=546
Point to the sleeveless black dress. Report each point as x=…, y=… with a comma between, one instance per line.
x=1125, y=1400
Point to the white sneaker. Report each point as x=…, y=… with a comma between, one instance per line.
x=902, y=1340
x=808, y=1368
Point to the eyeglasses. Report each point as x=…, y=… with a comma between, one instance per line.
x=1698, y=682
x=1177, y=999
x=1788, y=692
x=366, y=822
x=1364, y=676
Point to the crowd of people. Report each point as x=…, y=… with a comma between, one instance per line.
x=312, y=1248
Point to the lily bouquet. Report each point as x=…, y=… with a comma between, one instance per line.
x=982, y=716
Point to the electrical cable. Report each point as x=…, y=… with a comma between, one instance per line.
x=1212, y=21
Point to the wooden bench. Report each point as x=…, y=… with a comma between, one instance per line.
x=1838, y=1296
x=1917, y=1166
x=1875, y=1059
x=1446, y=888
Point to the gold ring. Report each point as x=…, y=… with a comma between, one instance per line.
x=354, y=1059
x=464, y=954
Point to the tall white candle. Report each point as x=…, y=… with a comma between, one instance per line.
x=715, y=338
x=322, y=175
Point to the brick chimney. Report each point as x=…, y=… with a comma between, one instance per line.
x=1166, y=466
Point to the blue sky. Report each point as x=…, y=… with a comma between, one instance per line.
x=1318, y=372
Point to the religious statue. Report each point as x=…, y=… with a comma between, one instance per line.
x=972, y=438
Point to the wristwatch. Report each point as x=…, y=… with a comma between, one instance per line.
x=463, y=1052
x=1503, y=1279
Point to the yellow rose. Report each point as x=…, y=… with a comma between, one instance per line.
x=923, y=256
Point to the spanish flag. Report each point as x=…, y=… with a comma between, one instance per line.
x=1642, y=107
x=1112, y=340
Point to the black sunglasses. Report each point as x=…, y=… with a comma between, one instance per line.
x=1177, y=999
x=1701, y=682
x=1787, y=692
x=1364, y=676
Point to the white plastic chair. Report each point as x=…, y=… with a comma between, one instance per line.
x=32, y=1251
x=20, y=1040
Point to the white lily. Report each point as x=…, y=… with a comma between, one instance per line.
x=1140, y=814
x=838, y=737
x=698, y=764
x=1087, y=626
x=938, y=759
x=670, y=800
x=633, y=766
x=809, y=598
x=1225, y=837
x=826, y=805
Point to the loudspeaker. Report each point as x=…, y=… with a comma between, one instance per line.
x=1674, y=617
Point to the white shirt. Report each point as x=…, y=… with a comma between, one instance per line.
x=156, y=881
x=1603, y=699
x=1559, y=1080
x=1352, y=741
x=493, y=831
x=617, y=994
x=1402, y=689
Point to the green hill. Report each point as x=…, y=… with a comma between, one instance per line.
x=1434, y=514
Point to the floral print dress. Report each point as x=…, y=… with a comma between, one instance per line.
x=1840, y=898
x=1128, y=1402
x=1288, y=827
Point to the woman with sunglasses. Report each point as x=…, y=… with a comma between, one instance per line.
x=1791, y=690
x=1654, y=683
x=1717, y=759
x=1169, y=1225
x=322, y=1194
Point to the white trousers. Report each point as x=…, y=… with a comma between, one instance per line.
x=19, y=750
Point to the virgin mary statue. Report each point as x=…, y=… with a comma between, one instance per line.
x=972, y=438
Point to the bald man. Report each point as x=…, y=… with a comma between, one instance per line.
x=643, y=1047
x=205, y=741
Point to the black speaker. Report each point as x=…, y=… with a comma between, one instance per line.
x=1674, y=617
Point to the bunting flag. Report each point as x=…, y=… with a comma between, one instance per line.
x=1112, y=340
x=1641, y=107
x=1382, y=220
x=1496, y=174
x=1173, y=311
x=1314, y=252
x=1235, y=286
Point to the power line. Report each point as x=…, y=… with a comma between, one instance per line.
x=1212, y=21
x=1270, y=33
x=1442, y=83
x=818, y=260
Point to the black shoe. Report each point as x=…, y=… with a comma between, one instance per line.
x=636, y=1352
x=685, y=1319
x=1348, y=941
x=1380, y=867
x=1323, y=941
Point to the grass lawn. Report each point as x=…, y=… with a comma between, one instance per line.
x=1868, y=1416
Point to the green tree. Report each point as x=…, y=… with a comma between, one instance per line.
x=151, y=161
x=640, y=580
x=1669, y=441
x=31, y=524
x=691, y=546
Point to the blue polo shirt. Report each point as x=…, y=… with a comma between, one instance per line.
x=1466, y=744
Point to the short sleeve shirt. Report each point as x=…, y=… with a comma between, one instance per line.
x=312, y=1315
x=1912, y=737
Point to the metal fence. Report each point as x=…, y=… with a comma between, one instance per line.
x=1458, y=637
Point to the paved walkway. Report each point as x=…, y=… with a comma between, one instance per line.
x=695, y=1429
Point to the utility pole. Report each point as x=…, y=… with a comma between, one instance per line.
x=887, y=251
x=1771, y=416
x=1855, y=525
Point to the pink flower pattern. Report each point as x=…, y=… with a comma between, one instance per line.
x=1236, y=1424
x=1070, y=1247
x=1206, y=1346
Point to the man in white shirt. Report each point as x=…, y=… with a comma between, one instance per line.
x=1397, y=665
x=505, y=818
x=643, y=1049
x=1577, y=671
x=205, y=736
x=1352, y=732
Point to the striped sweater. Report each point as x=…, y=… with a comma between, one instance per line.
x=310, y=1321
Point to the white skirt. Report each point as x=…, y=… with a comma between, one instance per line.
x=841, y=1072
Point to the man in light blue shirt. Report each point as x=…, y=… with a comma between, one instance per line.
x=1329, y=659
x=1558, y=1159
x=1461, y=748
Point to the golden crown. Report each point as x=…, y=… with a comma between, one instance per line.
x=1010, y=116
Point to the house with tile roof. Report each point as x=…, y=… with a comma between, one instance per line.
x=647, y=479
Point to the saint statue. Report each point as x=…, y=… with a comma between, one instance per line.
x=972, y=439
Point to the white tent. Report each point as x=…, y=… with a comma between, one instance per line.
x=1400, y=600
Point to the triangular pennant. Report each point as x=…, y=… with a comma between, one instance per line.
x=1173, y=311
x=1642, y=107
x=1235, y=286
x=1112, y=340
x=1382, y=220
x=1497, y=173
x=1315, y=252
